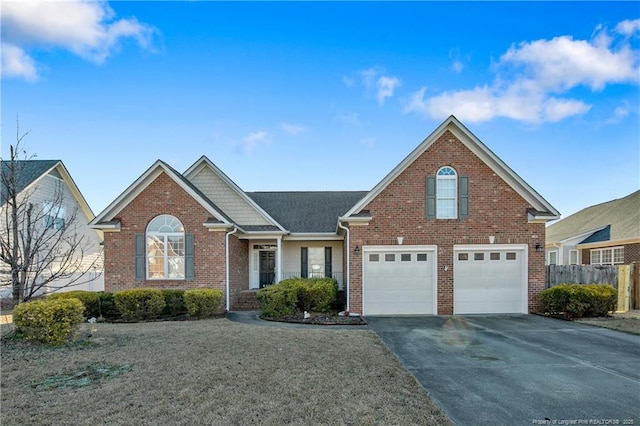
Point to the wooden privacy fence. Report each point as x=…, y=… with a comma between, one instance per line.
x=624, y=278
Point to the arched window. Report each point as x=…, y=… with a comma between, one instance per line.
x=165, y=248
x=446, y=193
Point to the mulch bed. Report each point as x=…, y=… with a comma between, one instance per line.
x=319, y=319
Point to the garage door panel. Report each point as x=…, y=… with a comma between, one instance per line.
x=489, y=279
x=396, y=283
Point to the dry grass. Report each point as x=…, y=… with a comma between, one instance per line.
x=629, y=322
x=212, y=372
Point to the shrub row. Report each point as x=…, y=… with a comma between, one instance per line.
x=578, y=300
x=297, y=295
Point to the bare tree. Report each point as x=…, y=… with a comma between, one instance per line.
x=41, y=243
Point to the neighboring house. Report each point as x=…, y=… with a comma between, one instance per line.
x=604, y=234
x=48, y=185
x=451, y=229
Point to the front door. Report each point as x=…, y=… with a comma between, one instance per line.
x=267, y=268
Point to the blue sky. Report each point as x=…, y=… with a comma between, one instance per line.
x=325, y=96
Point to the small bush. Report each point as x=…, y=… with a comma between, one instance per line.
x=139, y=303
x=50, y=321
x=297, y=294
x=108, y=308
x=90, y=300
x=203, y=302
x=174, y=303
x=577, y=300
x=278, y=301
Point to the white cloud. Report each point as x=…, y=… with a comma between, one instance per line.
x=533, y=80
x=456, y=64
x=628, y=27
x=386, y=86
x=368, y=142
x=252, y=140
x=85, y=28
x=375, y=81
x=292, y=129
x=16, y=63
x=351, y=118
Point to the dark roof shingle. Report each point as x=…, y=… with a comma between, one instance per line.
x=307, y=211
x=27, y=171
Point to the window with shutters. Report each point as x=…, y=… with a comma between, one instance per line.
x=447, y=195
x=165, y=245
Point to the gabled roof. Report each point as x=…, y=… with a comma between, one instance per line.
x=106, y=217
x=205, y=162
x=542, y=209
x=30, y=172
x=621, y=215
x=307, y=211
x=27, y=172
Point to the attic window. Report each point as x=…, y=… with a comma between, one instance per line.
x=446, y=193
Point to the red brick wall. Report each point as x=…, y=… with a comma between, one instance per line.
x=238, y=268
x=494, y=209
x=163, y=196
x=631, y=253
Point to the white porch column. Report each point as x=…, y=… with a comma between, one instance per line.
x=278, y=259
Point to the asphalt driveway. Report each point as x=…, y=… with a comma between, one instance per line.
x=520, y=369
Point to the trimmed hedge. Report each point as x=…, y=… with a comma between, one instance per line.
x=50, y=321
x=174, y=303
x=578, y=300
x=139, y=303
x=297, y=294
x=108, y=309
x=203, y=302
x=90, y=300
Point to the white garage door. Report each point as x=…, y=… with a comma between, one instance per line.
x=489, y=279
x=399, y=280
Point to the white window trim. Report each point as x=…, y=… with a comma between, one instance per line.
x=165, y=255
x=609, y=249
x=440, y=178
x=549, y=257
x=577, y=252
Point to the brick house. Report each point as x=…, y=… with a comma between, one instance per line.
x=450, y=230
x=603, y=234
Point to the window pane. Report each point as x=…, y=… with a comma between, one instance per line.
x=389, y=257
x=553, y=258
x=463, y=256
x=606, y=256
x=478, y=256
x=595, y=257
x=494, y=256
x=155, y=256
x=446, y=209
x=421, y=257
x=618, y=255
x=573, y=257
x=176, y=266
x=511, y=256
x=374, y=258
x=405, y=257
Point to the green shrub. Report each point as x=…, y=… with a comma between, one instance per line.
x=108, y=308
x=297, y=294
x=90, y=300
x=50, y=321
x=139, y=303
x=174, y=303
x=278, y=301
x=203, y=302
x=577, y=300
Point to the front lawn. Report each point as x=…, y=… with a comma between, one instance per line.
x=211, y=372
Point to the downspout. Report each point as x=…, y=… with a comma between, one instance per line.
x=348, y=260
x=226, y=266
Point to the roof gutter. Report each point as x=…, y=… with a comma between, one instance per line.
x=226, y=266
x=341, y=226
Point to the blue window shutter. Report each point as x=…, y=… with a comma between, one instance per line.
x=140, y=257
x=463, y=197
x=189, y=264
x=328, y=272
x=304, y=262
x=431, y=197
